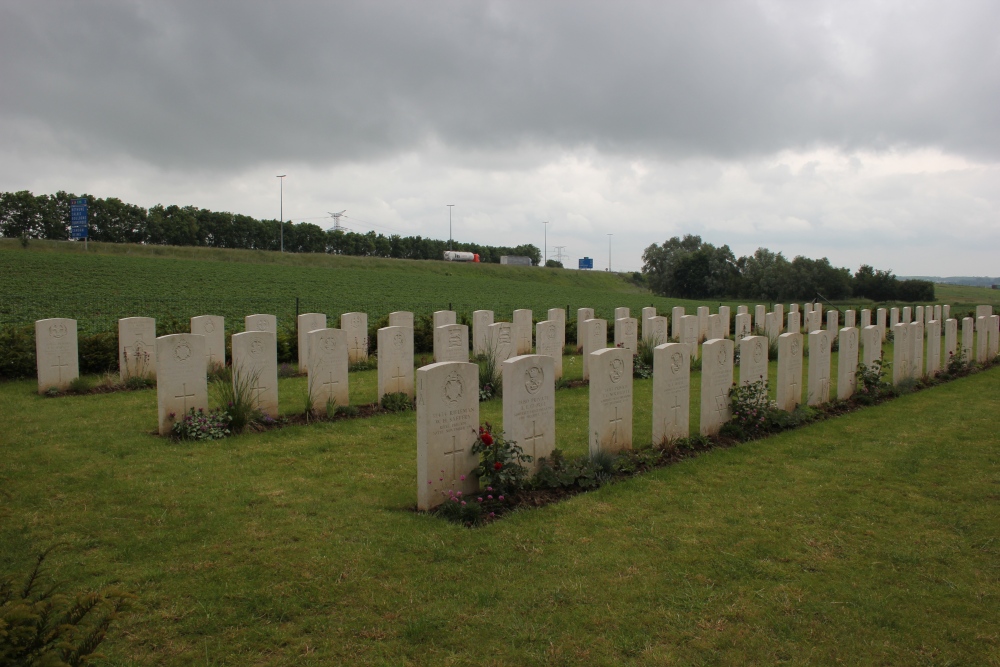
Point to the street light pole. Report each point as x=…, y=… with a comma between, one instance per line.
x=609, y=252
x=281, y=221
x=546, y=252
x=450, y=206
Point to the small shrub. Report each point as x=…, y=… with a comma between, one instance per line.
x=872, y=383
x=39, y=626
x=346, y=410
x=234, y=393
x=369, y=364
x=490, y=375
x=137, y=370
x=752, y=411
x=558, y=472
x=396, y=402
x=17, y=352
x=501, y=461
x=201, y=425
x=80, y=385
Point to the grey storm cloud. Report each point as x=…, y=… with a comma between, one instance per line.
x=234, y=84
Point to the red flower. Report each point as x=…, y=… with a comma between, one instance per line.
x=497, y=465
x=487, y=439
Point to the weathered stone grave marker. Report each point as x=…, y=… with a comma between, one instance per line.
x=610, y=400
x=395, y=361
x=56, y=353
x=136, y=347
x=529, y=404
x=327, y=364
x=671, y=392
x=213, y=328
x=255, y=365
x=716, y=380
x=181, y=382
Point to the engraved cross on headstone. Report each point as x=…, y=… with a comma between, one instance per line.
x=184, y=396
x=721, y=401
x=532, y=439
x=399, y=375
x=59, y=365
x=453, y=453
x=258, y=389
x=675, y=411
x=329, y=384
x=357, y=347
x=615, y=422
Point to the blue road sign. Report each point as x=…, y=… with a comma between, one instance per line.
x=586, y=263
x=78, y=218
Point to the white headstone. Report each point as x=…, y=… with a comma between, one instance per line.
x=946, y=312
x=582, y=315
x=901, y=350
x=447, y=427
x=716, y=381
x=327, y=366
x=814, y=321
x=893, y=319
x=523, y=328
x=401, y=318
x=676, y=313
x=793, y=308
x=356, y=327
x=657, y=330
x=779, y=317
x=742, y=310
x=715, y=328
x=502, y=342
x=261, y=323
x=906, y=315
x=395, y=361
x=934, y=347
x=181, y=383
x=917, y=349
x=849, y=318
x=880, y=323
x=866, y=318
x=918, y=315
x=993, y=340
x=255, y=363
x=627, y=334
x=610, y=400
x=136, y=347
x=794, y=321
x=950, y=340
x=622, y=312
x=928, y=315
x=443, y=317
x=647, y=313
x=771, y=326
x=671, y=392
x=847, y=363
x=213, y=328
x=832, y=323
x=937, y=313
x=983, y=311
x=871, y=342
x=789, y=388
x=547, y=343
x=703, y=314
x=968, y=334
x=725, y=316
x=451, y=343
x=529, y=404
x=759, y=313
x=56, y=353
x=558, y=315
x=819, y=367
x=596, y=331
x=307, y=322
x=689, y=334
x=481, y=320
x=981, y=338
x=753, y=359
x=744, y=327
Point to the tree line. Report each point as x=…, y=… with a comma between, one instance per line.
x=693, y=269
x=25, y=215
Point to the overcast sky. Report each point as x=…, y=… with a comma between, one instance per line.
x=866, y=132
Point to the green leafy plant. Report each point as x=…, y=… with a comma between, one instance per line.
x=201, y=425
x=368, y=364
x=558, y=472
x=872, y=384
x=81, y=384
x=234, y=392
x=490, y=376
x=346, y=410
x=40, y=626
x=752, y=411
x=501, y=461
x=136, y=372
x=396, y=402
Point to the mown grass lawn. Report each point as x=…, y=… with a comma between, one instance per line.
x=872, y=538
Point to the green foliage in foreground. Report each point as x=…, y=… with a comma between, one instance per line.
x=869, y=538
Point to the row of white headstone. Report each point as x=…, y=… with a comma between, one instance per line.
x=448, y=398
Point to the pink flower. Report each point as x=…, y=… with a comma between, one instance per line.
x=501, y=497
x=480, y=499
x=490, y=497
x=463, y=502
x=463, y=478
